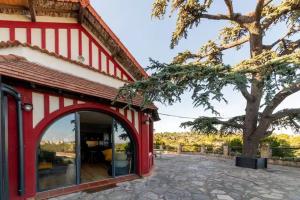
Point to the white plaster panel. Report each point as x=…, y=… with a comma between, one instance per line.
x=69, y=68
x=81, y=102
x=106, y=49
x=36, y=37
x=21, y=34
x=56, y=19
x=38, y=112
x=10, y=17
x=74, y=33
x=103, y=62
x=53, y=103
x=74, y=44
x=68, y=102
x=4, y=34
x=125, y=77
x=96, y=38
x=129, y=115
x=85, y=48
x=119, y=73
x=111, y=68
x=63, y=42
x=136, y=121
x=95, y=61
x=124, y=69
x=50, y=40
x=25, y=18
x=121, y=111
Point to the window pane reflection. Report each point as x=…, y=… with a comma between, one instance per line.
x=57, y=154
x=123, y=157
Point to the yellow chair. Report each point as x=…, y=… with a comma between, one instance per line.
x=107, y=154
x=45, y=165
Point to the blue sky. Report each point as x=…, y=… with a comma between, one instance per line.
x=145, y=37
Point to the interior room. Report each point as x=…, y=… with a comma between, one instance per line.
x=96, y=146
x=104, y=144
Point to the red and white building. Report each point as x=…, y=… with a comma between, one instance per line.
x=61, y=67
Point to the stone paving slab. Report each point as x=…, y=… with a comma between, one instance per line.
x=195, y=177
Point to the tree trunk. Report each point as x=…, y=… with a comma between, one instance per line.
x=250, y=137
x=250, y=146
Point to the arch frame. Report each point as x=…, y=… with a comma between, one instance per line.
x=50, y=119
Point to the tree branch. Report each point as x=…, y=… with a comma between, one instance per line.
x=224, y=47
x=229, y=123
x=215, y=17
x=230, y=8
x=279, y=97
x=284, y=113
x=277, y=41
x=211, y=124
x=295, y=123
x=270, y=20
x=235, y=43
x=236, y=17
x=268, y=2
x=290, y=47
x=267, y=117
x=181, y=57
x=259, y=8
x=245, y=93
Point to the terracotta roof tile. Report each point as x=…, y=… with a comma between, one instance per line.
x=9, y=58
x=99, y=22
x=18, y=67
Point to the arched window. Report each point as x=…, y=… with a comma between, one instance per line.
x=83, y=147
x=57, y=154
x=124, y=148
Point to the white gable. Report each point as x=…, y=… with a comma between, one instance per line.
x=69, y=40
x=62, y=65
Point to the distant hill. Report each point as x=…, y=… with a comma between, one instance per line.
x=191, y=140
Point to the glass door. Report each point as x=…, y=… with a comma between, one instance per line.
x=96, y=146
x=83, y=147
x=123, y=162
x=57, y=155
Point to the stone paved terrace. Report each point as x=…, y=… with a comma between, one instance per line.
x=186, y=177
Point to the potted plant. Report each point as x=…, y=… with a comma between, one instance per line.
x=253, y=163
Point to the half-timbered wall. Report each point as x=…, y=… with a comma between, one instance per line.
x=48, y=107
x=45, y=104
x=69, y=40
x=73, y=42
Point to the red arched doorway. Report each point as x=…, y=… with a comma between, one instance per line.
x=63, y=156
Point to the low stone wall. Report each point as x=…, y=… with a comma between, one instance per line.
x=283, y=163
x=265, y=153
x=270, y=160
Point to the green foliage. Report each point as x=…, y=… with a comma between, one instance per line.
x=193, y=139
x=236, y=142
x=189, y=13
x=281, y=144
x=68, y=147
x=232, y=33
x=269, y=75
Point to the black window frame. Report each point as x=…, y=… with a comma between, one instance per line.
x=78, y=147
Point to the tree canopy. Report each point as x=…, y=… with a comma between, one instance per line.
x=269, y=76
